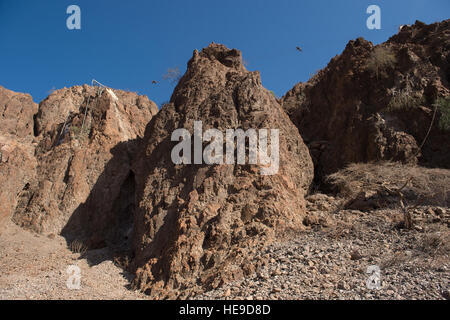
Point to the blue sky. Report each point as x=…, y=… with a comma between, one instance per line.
x=127, y=44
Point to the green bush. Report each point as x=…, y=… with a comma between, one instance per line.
x=381, y=59
x=443, y=105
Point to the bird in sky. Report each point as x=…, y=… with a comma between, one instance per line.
x=154, y=82
x=299, y=49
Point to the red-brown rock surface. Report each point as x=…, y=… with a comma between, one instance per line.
x=197, y=226
x=17, y=162
x=83, y=184
x=104, y=175
x=376, y=102
x=16, y=113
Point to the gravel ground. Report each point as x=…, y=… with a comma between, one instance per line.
x=327, y=261
x=35, y=267
x=332, y=262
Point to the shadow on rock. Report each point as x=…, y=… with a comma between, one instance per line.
x=105, y=219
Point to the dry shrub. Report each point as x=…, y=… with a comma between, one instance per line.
x=405, y=101
x=382, y=58
x=173, y=75
x=394, y=259
x=123, y=261
x=443, y=105
x=436, y=242
x=425, y=186
x=78, y=246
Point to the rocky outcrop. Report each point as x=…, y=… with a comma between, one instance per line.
x=17, y=162
x=16, y=113
x=83, y=186
x=99, y=165
x=197, y=226
x=377, y=102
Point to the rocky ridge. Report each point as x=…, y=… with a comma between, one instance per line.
x=197, y=225
x=375, y=103
x=82, y=156
x=94, y=165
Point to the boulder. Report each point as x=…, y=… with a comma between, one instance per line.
x=198, y=226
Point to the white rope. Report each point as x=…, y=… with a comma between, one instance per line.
x=99, y=92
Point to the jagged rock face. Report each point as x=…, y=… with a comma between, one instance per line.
x=16, y=113
x=17, y=169
x=197, y=226
x=17, y=162
x=361, y=109
x=83, y=185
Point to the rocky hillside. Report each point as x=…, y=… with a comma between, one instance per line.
x=96, y=166
x=17, y=147
x=377, y=102
x=197, y=226
x=79, y=144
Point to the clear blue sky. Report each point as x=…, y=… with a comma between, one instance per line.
x=127, y=44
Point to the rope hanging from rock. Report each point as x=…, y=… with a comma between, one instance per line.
x=101, y=87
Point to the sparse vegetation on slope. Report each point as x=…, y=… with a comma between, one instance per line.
x=426, y=186
x=443, y=105
x=405, y=100
x=381, y=59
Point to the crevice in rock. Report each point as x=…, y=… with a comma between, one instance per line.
x=124, y=207
x=35, y=126
x=67, y=173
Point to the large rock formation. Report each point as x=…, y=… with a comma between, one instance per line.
x=17, y=162
x=83, y=184
x=197, y=225
x=16, y=113
x=377, y=102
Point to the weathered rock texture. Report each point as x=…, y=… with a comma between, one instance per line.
x=83, y=186
x=197, y=226
x=17, y=162
x=16, y=113
x=376, y=102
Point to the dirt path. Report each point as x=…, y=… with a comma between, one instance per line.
x=35, y=267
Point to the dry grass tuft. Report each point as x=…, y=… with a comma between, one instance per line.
x=381, y=59
x=395, y=259
x=436, y=242
x=78, y=246
x=425, y=186
x=443, y=105
x=123, y=261
x=405, y=101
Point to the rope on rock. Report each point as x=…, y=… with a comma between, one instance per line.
x=101, y=88
x=408, y=221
